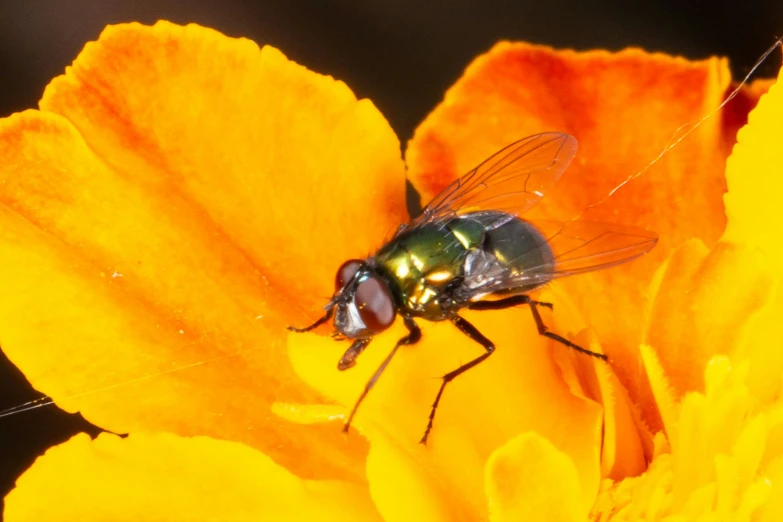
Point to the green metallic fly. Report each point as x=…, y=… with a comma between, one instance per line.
x=470, y=249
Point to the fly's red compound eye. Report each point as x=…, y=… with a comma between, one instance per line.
x=375, y=304
x=346, y=272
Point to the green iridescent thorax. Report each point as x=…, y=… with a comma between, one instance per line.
x=425, y=260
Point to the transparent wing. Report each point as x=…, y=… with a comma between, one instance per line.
x=512, y=180
x=585, y=246
x=576, y=247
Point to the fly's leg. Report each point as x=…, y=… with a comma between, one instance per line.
x=508, y=302
x=348, y=360
x=414, y=334
x=542, y=328
x=316, y=324
x=471, y=331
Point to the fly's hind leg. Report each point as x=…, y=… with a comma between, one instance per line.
x=489, y=347
x=508, y=302
x=542, y=328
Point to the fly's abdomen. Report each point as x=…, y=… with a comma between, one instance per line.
x=513, y=247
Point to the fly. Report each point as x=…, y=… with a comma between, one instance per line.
x=469, y=249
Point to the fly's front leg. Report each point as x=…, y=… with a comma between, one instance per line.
x=471, y=331
x=414, y=334
x=316, y=324
x=348, y=360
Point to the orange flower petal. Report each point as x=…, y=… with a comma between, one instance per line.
x=164, y=477
x=155, y=246
x=518, y=389
x=529, y=479
x=626, y=443
x=627, y=446
x=519, y=89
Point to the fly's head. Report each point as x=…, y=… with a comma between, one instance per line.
x=362, y=302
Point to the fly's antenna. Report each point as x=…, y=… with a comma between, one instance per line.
x=684, y=131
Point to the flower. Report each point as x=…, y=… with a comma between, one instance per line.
x=181, y=197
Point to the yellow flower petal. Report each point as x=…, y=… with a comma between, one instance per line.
x=529, y=479
x=725, y=439
x=773, y=510
x=518, y=389
x=716, y=469
x=663, y=394
x=164, y=477
x=755, y=180
x=404, y=490
x=753, y=173
x=703, y=304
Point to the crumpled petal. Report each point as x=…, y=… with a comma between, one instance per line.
x=164, y=477
x=626, y=441
x=181, y=198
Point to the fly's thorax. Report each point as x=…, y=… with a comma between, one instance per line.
x=425, y=262
x=440, y=266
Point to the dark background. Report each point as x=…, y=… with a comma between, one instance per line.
x=401, y=54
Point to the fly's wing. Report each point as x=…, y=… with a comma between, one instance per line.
x=571, y=248
x=585, y=246
x=512, y=180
